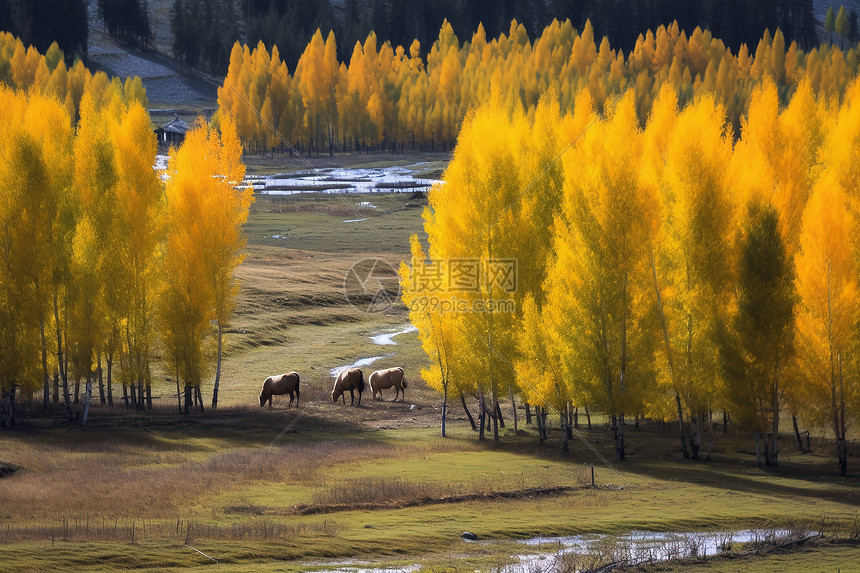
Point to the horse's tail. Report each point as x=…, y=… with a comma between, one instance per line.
x=360, y=380
x=298, y=380
x=402, y=377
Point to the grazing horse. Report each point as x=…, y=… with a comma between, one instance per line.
x=349, y=379
x=280, y=384
x=383, y=379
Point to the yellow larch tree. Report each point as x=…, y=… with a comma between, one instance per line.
x=693, y=257
x=26, y=205
x=424, y=290
x=827, y=279
x=48, y=123
x=204, y=239
x=473, y=227
x=138, y=221
x=603, y=291
x=94, y=297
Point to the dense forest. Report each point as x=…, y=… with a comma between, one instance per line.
x=206, y=29
x=41, y=22
x=384, y=97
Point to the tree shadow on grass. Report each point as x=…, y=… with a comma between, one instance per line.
x=655, y=453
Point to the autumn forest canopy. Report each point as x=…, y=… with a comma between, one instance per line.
x=391, y=97
x=206, y=29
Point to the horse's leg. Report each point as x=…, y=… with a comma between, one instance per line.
x=290, y=405
x=351, y=397
x=270, y=400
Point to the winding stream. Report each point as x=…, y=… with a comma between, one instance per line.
x=384, y=339
x=633, y=548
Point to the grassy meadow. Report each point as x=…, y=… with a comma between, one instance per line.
x=326, y=486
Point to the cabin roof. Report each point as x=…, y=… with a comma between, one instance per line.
x=176, y=125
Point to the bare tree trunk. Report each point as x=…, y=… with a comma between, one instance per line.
x=179, y=392
x=67, y=399
x=494, y=398
x=774, y=452
x=618, y=432
x=188, y=398
x=540, y=424
x=684, y=452
x=797, y=437
x=125, y=394
x=468, y=413
x=695, y=434
x=588, y=417
x=841, y=442
x=101, y=382
x=87, y=393
x=60, y=363
x=199, y=396
x=528, y=414
x=499, y=415
x=569, y=425
x=110, y=380
x=217, y=367
x=563, y=418
x=444, y=407
x=543, y=422
x=576, y=417
x=482, y=415
x=514, y=406
x=47, y=378
x=56, y=389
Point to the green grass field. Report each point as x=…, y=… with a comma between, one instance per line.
x=327, y=486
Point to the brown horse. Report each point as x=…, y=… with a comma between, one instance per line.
x=280, y=384
x=383, y=379
x=349, y=379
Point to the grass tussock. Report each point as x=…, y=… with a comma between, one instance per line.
x=89, y=529
x=383, y=492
